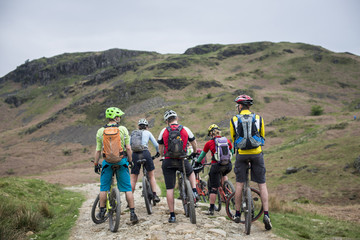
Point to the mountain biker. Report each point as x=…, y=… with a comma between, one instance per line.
x=171, y=165
x=113, y=115
x=216, y=169
x=146, y=135
x=255, y=155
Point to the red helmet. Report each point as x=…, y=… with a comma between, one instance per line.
x=244, y=100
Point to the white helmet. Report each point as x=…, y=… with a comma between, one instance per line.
x=169, y=113
x=143, y=121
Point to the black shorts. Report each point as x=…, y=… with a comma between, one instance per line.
x=215, y=174
x=257, y=167
x=149, y=164
x=169, y=168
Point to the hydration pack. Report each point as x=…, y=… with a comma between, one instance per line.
x=112, y=150
x=222, y=151
x=247, y=134
x=175, y=143
x=135, y=141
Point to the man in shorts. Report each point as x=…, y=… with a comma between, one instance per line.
x=170, y=164
x=255, y=155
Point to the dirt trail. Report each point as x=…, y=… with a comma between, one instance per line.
x=155, y=226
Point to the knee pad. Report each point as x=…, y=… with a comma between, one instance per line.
x=213, y=190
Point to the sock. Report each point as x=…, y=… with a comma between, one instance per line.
x=237, y=214
x=132, y=210
x=212, y=206
x=172, y=214
x=154, y=193
x=194, y=190
x=102, y=209
x=266, y=213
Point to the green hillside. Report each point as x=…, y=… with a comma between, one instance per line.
x=307, y=95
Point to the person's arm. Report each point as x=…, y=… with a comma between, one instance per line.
x=154, y=143
x=161, y=150
x=97, y=157
x=129, y=152
x=202, y=155
x=194, y=145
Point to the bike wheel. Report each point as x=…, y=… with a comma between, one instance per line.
x=182, y=193
x=257, y=208
x=190, y=202
x=146, y=195
x=115, y=210
x=247, y=210
x=204, y=190
x=228, y=188
x=95, y=210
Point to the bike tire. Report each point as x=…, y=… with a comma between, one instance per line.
x=182, y=193
x=228, y=188
x=95, y=210
x=204, y=189
x=248, y=208
x=146, y=195
x=257, y=210
x=115, y=211
x=190, y=202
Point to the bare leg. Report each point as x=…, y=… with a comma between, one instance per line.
x=264, y=196
x=238, y=193
x=152, y=180
x=170, y=199
x=192, y=180
x=103, y=198
x=133, y=179
x=130, y=199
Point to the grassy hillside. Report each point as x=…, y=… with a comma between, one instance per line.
x=50, y=115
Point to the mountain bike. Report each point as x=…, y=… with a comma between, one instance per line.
x=225, y=189
x=186, y=193
x=251, y=204
x=147, y=192
x=201, y=186
x=113, y=205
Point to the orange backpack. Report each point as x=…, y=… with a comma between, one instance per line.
x=112, y=150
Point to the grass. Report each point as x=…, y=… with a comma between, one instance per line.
x=45, y=209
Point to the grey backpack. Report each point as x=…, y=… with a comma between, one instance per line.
x=135, y=141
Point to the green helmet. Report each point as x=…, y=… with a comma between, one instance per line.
x=113, y=112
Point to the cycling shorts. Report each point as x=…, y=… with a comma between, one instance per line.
x=149, y=164
x=257, y=167
x=122, y=176
x=169, y=168
x=215, y=174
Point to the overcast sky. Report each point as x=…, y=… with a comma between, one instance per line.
x=31, y=29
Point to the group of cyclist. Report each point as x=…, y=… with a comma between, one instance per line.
x=126, y=182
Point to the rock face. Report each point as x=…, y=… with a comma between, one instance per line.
x=156, y=226
x=46, y=70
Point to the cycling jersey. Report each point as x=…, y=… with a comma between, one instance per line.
x=210, y=145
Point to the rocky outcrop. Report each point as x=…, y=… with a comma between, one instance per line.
x=46, y=70
x=203, y=49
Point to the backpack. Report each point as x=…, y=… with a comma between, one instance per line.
x=175, y=143
x=112, y=150
x=247, y=134
x=222, y=151
x=135, y=141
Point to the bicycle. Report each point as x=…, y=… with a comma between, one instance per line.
x=147, y=192
x=113, y=205
x=186, y=193
x=225, y=189
x=201, y=186
x=250, y=204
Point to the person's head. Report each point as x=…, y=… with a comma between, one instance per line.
x=214, y=130
x=243, y=102
x=143, y=123
x=114, y=114
x=170, y=116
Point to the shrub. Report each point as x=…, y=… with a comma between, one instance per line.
x=316, y=110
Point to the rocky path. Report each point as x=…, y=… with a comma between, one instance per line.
x=155, y=226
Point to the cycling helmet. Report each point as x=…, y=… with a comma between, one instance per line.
x=113, y=112
x=169, y=113
x=143, y=121
x=244, y=100
x=212, y=127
